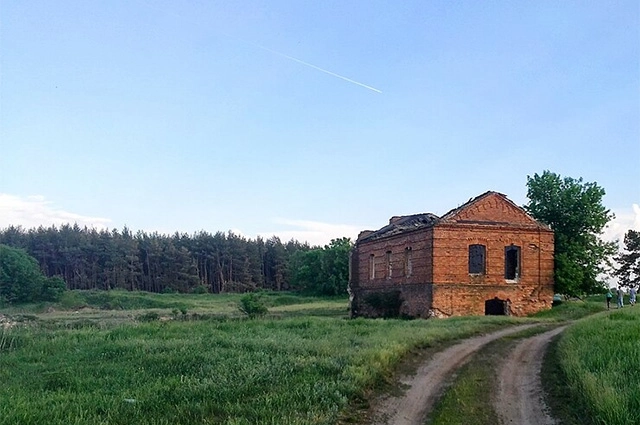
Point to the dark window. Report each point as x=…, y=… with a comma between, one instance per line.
x=512, y=262
x=477, y=255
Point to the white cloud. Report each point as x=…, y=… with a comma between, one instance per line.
x=34, y=211
x=626, y=219
x=313, y=232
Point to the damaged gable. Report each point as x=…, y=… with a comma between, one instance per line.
x=400, y=224
x=491, y=208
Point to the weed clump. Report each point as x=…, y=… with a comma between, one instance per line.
x=149, y=316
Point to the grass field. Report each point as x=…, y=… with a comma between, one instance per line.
x=599, y=366
x=205, y=366
x=128, y=357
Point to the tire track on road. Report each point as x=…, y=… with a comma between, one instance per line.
x=520, y=395
x=425, y=387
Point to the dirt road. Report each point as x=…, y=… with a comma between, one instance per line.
x=519, y=400
x=426, y=385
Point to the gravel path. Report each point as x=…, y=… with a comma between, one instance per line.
x=519, y=400
x=425, y=387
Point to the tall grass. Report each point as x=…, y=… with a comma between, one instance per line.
x=272, y=371
x=600, y=356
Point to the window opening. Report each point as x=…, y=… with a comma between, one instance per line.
x=477, y=259
x=408, y=265
x=372, y=267
x=389, y=266
x=512, y=262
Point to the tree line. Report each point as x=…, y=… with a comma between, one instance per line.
x=225, y=262
x=86, y=258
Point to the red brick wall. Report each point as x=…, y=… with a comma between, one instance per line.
x=415, y=300
x=421, y=262
x=459, y=293
x=414, y=288
x=466, y=300
x=451, y=253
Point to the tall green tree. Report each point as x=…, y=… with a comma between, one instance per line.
x=336, y=267
x=628, y=270
x=323, y=271
x=21, y=280
x=574, y=210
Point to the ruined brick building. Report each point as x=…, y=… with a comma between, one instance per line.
x=487, y=256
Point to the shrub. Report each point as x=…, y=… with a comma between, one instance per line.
x=252, y=305
x=72, y=300
x=52, y=289
x=386, y=304
x=200, y=289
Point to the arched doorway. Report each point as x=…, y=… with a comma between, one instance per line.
x=496, y=307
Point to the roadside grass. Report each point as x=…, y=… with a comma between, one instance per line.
x=598, y=368
x=279, y=370
x=468, y=399
x=574, y=309
x=565, y=408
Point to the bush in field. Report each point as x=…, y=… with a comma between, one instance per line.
x=252, y=305
x=21, y=280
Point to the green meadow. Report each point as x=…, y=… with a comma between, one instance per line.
x=107, y=360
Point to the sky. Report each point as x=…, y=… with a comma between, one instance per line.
x=309, y=120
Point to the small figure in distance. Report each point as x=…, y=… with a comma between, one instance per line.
x=632, y=296
x=620, y=297
x=609, y=296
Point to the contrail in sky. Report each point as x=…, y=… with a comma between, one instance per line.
x=315, y=67
x=342, y=77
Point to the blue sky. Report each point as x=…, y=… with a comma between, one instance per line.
x=188, y=116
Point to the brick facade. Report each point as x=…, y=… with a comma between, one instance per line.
x=419, y=265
